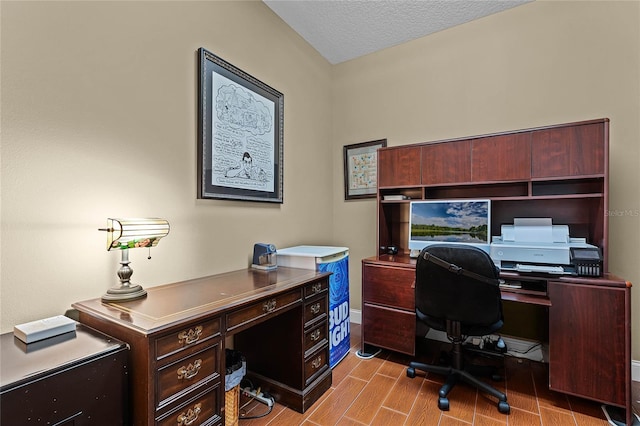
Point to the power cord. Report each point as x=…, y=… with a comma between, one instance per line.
x=243, y=415
x=532, y=347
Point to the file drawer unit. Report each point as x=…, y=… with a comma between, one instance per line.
x=177, y=335
x=388, y=314
x=45, y=382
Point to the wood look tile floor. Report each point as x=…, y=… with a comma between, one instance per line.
x=378, y=392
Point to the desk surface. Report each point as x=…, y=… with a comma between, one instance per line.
x=179, y=301
x=516, y=295
x=609, y=280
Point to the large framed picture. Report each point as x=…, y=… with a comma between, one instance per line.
x=240, y=134
x=361, y=169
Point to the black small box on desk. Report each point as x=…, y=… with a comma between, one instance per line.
x=587, y=261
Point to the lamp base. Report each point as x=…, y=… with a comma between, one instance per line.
x=124, y=293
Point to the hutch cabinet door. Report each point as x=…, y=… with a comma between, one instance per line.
x=569, y=151
x=446, y=163
x=399, y=166
x=501, y=158
x=587, y=329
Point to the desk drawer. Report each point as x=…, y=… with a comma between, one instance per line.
x=179, y=377
x=186, y=337
x=389, y=328
x=389, y=286
x=203, y=409
x=315, y=365
x=262, y=309
x=316, y=288
x=315, y=311
x=314, y=337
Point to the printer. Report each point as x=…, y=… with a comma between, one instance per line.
x=536, y=245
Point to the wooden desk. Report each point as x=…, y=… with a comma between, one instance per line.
x=177, y=336
x=589, y=325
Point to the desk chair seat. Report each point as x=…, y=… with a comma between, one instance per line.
x=457, y=291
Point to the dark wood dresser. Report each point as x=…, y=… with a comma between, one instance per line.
x=177, y=334
x=77, y=378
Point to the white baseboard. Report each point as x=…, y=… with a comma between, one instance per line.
x=355, y=316
x=514, y=344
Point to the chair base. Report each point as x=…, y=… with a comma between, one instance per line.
x=454, y=375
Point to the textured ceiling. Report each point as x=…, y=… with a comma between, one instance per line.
x=341, y=30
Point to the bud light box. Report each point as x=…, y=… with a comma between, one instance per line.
x=336, y=261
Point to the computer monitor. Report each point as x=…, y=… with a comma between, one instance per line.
x=450, y=221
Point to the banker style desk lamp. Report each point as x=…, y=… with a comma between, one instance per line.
x=125, y=234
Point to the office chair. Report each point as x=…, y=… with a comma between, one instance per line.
x=457, y=291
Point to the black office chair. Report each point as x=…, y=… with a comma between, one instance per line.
x=457, y=291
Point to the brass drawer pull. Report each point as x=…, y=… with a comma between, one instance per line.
x=315, y=335
x=190, y=371
x=316, y=362
x=269, y=305
x=316, y=288
x=315, y=308
x=190, y=416
x=190, y=336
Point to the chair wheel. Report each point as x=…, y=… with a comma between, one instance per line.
x=443, y=404
x=496, y=378
x=411, y=372
x=503, y=407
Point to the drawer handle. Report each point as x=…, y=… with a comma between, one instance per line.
x=316, y=288
x=190, y=371
x=190, y=416
x=190, y=336
x=269, y=305
x=315, y=308
x=316, y=362
x=315, y=335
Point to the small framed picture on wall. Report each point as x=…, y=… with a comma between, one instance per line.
x=361, y=169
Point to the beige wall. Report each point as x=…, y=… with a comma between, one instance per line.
x=538, y=64
x=99, y=120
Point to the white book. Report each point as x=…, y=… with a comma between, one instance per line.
x=395, y=197
x=44, y=328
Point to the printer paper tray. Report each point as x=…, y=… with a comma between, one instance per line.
x=536, y=268
x=527, y=287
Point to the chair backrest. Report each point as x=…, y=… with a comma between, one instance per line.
x=442, y=294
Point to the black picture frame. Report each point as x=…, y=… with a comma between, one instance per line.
x=240, y=134
x=361, y=169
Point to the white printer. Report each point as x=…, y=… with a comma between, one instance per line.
x=535, y=245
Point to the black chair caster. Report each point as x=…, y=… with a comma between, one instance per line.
x=443, y=404
x=503, y=407
x=411, y=372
